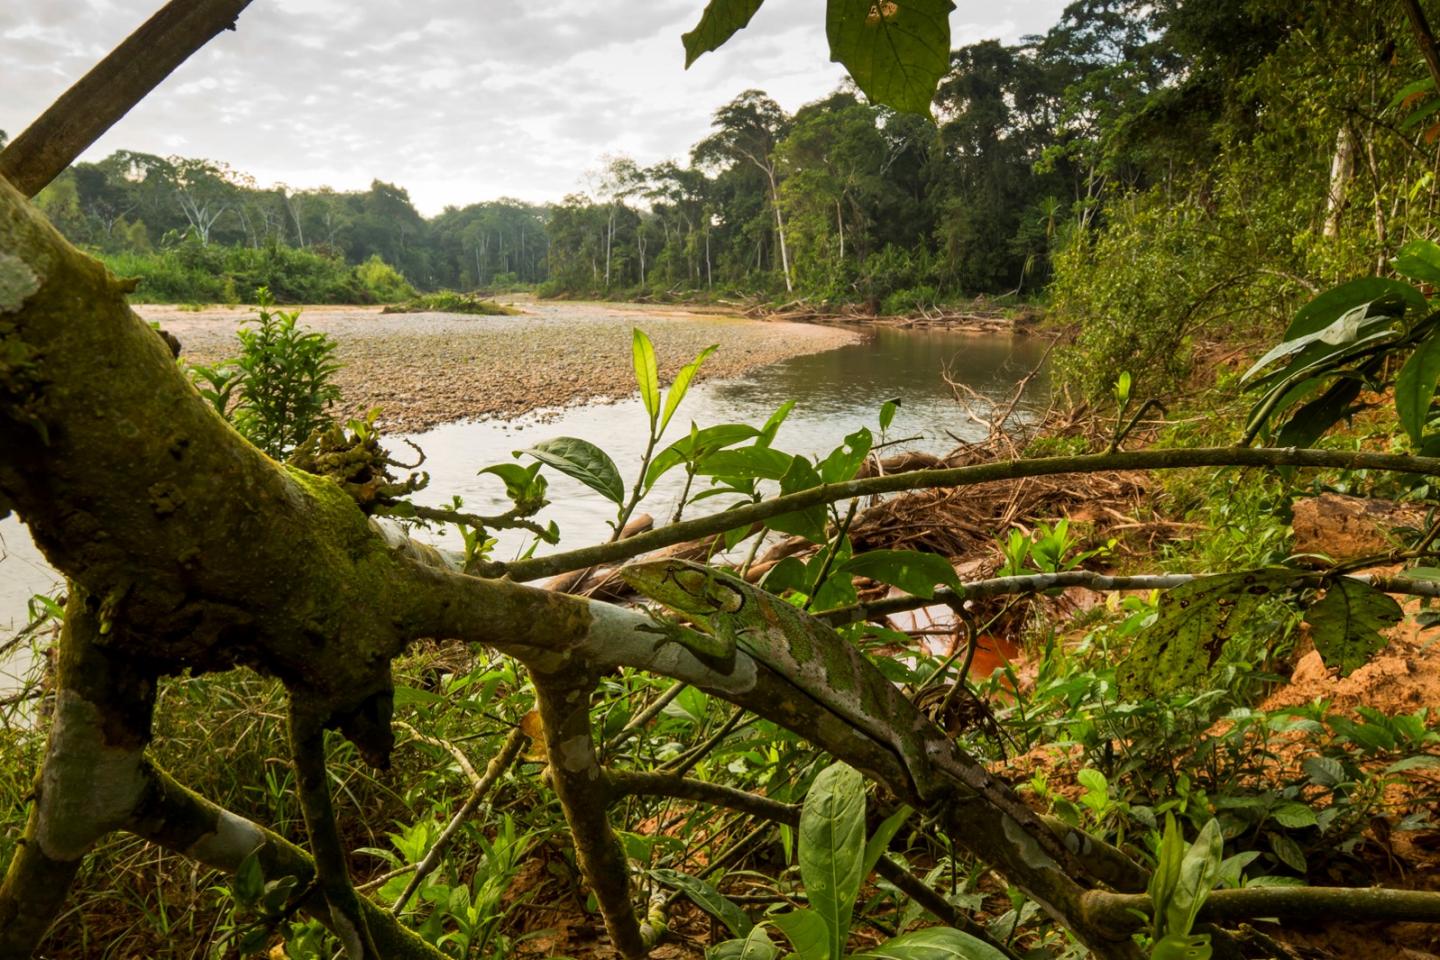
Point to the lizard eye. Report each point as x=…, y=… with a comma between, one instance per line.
x=724, y=598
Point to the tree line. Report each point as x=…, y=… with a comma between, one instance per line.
x=841, y=201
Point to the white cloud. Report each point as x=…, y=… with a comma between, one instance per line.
x=456, y=100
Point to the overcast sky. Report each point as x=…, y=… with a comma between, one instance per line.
x=456, y=100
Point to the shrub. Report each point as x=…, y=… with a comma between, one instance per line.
x=448, y=301
x=384, y=282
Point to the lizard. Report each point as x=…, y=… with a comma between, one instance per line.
x=730, y=614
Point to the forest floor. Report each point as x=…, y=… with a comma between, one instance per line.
x=424, y=369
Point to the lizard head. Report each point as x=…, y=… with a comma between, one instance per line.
x=688, y=588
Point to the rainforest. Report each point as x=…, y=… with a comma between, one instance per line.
x=984, y=508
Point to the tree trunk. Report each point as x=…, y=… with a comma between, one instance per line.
x=1341, y=165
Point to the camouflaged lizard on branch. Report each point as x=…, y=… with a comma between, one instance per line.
x=821, y=665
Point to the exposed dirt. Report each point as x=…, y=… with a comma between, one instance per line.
x=423, y=369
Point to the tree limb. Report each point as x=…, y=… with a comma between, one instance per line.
x=1167, y=459
x=112, y=87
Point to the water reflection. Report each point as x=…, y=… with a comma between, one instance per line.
x=835, y=392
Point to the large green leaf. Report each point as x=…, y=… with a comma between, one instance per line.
x=583, y=461
x=647, y=373
x=1328, y=306
x=832, y=848
x=756, y=945
x=933, y=943
x=810, y=522
x=681, y=386
x=1346, y=623
x=1190, y=629
x=879, y=841
x=707, y=898
x=1415, y=388
x=844, y=461
x=1419, y=259
x=698, y=443
x=912, y=571
x=896, y=50
x=808, y=934
x=746, y=463
x=721, y=20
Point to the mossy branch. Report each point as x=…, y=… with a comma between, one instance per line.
x=1176, y=459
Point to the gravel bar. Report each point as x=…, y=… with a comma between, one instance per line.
x=424, y=369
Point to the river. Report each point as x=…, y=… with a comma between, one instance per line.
x=835, y=391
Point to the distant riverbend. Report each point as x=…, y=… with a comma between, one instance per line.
x=424, y=369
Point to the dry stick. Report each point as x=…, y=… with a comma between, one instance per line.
x=112, y=87
x=307, y=747
x=1168, y=459
x=493, y=771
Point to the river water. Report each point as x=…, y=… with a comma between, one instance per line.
x=835, y=392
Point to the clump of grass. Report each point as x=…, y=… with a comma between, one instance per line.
x=449, y=301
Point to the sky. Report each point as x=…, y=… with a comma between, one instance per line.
x=456, y=100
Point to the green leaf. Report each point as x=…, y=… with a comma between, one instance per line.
x=1346, y=623
x=520, y=482
x=1325, y=308
x=1190, y=629
x=249, y=880
x=697, y=444
x=1419, y=259
x=879, y=841
x=709, y=899
x=887, y=413
x=647, y=375
x=933, y=943
x=810, y=522
x=807, y=933
x=832, y=848
x=772, y=426
x=1349, y=327
x=721, y=20
x=681, y=386
x=1287, y=851
x=746, y=462
x=895, y=50
x=582, y=461
x=912, y=571
x=1324, y=771
x=1415, y=388
x=1294, y=815
x=757, y=945
x=1413, y=763
x=1177, y=946
x=1199, y=869
x=844, y=461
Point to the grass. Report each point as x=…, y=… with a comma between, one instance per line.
x=449, y=301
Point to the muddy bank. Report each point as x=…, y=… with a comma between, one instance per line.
x=430, y=368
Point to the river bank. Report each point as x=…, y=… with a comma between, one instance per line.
x=424, y=369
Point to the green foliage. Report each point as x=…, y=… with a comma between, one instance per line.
x=448, y=301
x=279, y=389
x=193, y=273
x=834, y=861
x=895, y=50
x=1179, y=887
x=383, y=281
x=1191, y=628
x=720, y=21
